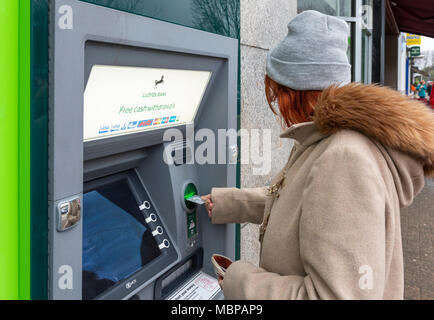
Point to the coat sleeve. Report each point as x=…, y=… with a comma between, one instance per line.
x=232, y=205
x=342, y=238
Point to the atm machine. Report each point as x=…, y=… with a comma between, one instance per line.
x=119, y=223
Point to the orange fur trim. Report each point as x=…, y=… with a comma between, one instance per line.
x=382, y=114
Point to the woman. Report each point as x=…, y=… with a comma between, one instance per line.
x=331, y=218
x=421, y=88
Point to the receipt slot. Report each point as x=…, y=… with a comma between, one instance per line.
x=120, y=223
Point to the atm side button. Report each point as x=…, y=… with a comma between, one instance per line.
x=152, y=218
x=164, y=245
x=145, y=206
x=158, y=231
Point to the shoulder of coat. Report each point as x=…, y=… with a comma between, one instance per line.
x=352, y=142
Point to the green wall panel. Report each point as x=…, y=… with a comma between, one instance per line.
x=24, y=150
x=9, y=149
x=39, y=149
x=15, y=149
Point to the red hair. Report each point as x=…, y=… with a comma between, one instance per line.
x=294, y=106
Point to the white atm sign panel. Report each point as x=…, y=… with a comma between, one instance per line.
x=125, y=100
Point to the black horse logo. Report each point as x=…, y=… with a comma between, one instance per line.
x=157, y=82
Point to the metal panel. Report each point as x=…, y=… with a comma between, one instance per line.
x=72, y=24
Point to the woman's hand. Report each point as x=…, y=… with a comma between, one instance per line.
x=209, y=205
x=221, y=282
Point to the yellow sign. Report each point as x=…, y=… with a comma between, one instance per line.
x=413, y=40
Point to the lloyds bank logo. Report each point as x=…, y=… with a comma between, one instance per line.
x=158, y=82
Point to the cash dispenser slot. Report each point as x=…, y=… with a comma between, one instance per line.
x=165, y=285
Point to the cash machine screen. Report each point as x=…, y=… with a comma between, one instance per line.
x=116, y=239
x=124, y=100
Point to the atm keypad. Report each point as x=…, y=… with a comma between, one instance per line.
x=151, y=221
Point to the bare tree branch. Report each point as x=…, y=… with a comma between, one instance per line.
x=218, y=16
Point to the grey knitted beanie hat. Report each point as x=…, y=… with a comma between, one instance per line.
x=313, y=55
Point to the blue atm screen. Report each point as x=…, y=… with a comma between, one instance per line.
x=116, y=240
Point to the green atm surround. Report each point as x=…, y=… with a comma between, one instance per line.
x=24, y=136
x=15, y=113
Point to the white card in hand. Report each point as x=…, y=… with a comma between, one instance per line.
x=196, y=199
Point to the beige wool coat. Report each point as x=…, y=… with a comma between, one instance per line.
x=333, y=228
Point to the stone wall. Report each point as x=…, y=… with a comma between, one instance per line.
x=263, y=25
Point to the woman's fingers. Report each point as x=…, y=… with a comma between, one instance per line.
x=208, y=204
x=206, y=198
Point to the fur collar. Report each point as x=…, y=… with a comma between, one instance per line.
x=382, y=114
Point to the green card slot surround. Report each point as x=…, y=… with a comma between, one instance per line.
x=190, y=191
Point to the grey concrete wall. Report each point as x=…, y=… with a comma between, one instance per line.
x=263, y=25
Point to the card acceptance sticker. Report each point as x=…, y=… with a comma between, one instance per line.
x=200, y=287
